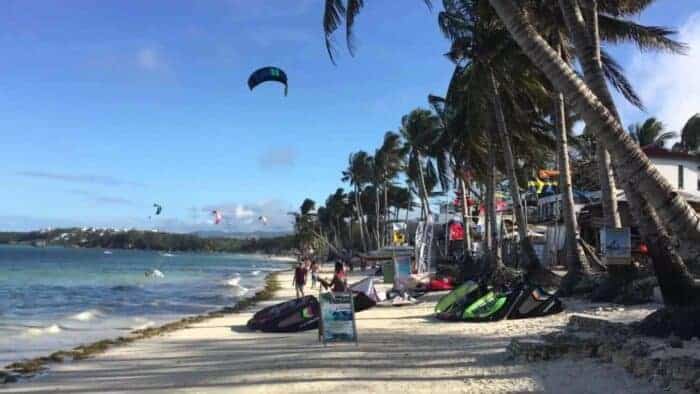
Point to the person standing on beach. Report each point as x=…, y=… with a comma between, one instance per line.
x=314, y=274
x=299, y=279
x=339, y=283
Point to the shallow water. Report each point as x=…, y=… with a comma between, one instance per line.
x=57, y=298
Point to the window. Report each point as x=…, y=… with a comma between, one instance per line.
x=680, y=177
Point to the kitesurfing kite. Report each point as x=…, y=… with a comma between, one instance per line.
x=263, y=219
x=158, y=208
x=217, y=216
x=267, y=74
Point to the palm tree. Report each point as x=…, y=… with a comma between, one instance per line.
x=690, y=136
x=337, y=212
x=358, y=174
x=418, y=130
x=480, y=41
x=651, y=132
x=634, y=166
x=388, y=162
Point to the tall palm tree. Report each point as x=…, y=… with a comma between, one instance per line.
x=634, y=166
x=481, y=41
x=690, y=136
x=337, y=211
x=358, y=175
x=651, y=132
x=669, y=208
x=418, y=130
x=388, y=162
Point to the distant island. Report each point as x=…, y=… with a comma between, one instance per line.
x=90, y=237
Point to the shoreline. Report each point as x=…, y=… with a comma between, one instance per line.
x=26, y=369
x=400, y=350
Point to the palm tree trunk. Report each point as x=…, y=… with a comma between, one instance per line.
x=576, y=263
x=530, y=260
x=423, y=188
x=633, y=164
x=377, y=210
x=587, y=43
x=677, y=285
x=386, y=214
x=494, y=247
x=465, y=216
x=359, y=218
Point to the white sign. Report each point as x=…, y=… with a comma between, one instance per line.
x=337, y=318
x=616, y=245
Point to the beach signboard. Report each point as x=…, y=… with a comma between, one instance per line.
x=616, y=245
x=337, y=318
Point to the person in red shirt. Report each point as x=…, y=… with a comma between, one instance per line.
x=339, y=283
x=299, y=279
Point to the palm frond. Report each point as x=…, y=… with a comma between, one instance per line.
x=332, y=15
x=353, y=8
x=616, y=31
x=615, y=75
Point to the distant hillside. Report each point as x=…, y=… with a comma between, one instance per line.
x=151, y=240
x=241, y=235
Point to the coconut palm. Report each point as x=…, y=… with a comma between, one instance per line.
x=634, y=166
x=387, y=163
x=651, y=132
x=337, y=212
x=479, y=40
x=419, y=131
x=358, y=174
x=690, y=136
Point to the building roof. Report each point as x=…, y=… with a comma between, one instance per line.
x=654, y=151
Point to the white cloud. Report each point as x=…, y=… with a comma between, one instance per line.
x=150, y=60
x=669, y=84
x=283, y=157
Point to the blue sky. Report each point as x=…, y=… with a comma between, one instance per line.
x=110, y=106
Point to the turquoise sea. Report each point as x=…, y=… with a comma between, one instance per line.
x=57, y=298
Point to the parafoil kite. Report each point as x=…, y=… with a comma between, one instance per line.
x=158, y=208
x=217, y=216
x=267, y=74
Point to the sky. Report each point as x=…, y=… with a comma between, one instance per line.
x=107, y=107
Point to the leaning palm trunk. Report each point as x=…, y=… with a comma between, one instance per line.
x=377, y=210
x=465, y=217
x=587, y=43
x=665, y=259
x=530, y=262
x=677, y=285
x=359, y=219
x=576, y=263
x=423, y=189
x=386, y=232
x=494, y=249
x=632, y=163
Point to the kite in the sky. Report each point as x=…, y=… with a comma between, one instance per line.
x=158, y=208
x=217, y=216
x=266, y=74
x=263, y=219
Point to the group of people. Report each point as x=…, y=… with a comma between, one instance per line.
x=307, y=266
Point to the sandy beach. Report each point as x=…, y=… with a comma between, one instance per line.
x=400, y=350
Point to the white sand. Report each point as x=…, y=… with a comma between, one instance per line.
x=402, y=350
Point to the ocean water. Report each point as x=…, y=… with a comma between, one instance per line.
x=57, y=298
